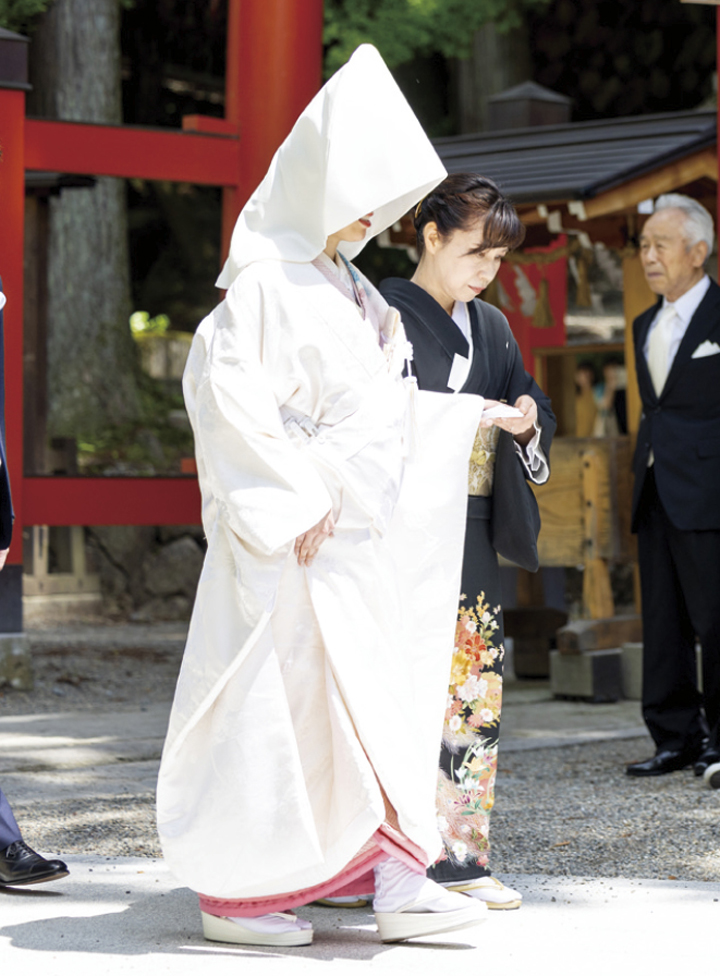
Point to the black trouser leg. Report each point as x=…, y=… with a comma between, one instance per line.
x=697, y=556
x=671, y=700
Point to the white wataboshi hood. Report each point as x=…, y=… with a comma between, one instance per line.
x=357, y=148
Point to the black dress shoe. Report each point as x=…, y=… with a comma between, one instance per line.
x=664, y=761
x=706, y=758
x=21, y=865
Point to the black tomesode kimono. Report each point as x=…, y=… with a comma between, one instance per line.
x=468, y=760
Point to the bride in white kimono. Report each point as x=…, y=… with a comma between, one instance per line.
x=333, y=504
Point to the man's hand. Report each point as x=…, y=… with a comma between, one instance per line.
x=308, y=544
x=3, y=556
x=522, y=428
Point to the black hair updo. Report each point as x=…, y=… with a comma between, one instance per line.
x=462, y=199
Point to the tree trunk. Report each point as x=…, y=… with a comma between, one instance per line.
x=498, y=62
x=92, y=363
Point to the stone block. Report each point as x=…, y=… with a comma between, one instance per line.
x=15, y=663
x=631, y=665
x=599, y=634
x=594, y=676
x=174, y=569
x=61, y=608
x=533, y=632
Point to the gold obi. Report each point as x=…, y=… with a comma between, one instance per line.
x=482, y=461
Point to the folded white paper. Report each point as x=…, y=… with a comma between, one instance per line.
x=501, y=410
x=706, y=348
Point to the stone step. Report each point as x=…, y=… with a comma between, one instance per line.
x=594, y=676
x=15, y=664
x=596, y=635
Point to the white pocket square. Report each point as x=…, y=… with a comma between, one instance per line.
x=706, y=348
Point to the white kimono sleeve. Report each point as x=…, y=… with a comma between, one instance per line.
x=266, y=490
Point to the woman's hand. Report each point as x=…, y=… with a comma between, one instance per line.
x=308, y=544
x=488, y=405
x=3, y=556
x=521, y=428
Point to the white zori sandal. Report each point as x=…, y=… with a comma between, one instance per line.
x=344, y=901
x=409, y=905
x=494, y=893
x=277, y=929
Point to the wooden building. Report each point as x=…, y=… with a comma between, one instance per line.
x=576, y=186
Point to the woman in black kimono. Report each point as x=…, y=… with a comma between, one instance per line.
x=462, y=344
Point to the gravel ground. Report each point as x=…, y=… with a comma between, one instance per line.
x=573, y=811
x=559, y=811
x=92, y=668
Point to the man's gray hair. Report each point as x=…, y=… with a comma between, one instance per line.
x=698, y=222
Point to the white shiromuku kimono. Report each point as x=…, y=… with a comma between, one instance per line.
x=299, y=684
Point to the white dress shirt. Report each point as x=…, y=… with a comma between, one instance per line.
x=685, y=308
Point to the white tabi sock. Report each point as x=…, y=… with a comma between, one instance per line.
x=397, y=887
x=272, y=924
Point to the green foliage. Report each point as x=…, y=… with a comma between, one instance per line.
x=17, y=15
x=403, y=29
x=142, y=324
x=150, y=446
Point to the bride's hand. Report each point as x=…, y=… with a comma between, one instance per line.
x=308, y=544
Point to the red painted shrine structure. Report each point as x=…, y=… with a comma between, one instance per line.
x=274, y=60
x=274, y=53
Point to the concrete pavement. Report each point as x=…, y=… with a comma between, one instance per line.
x=127, y=915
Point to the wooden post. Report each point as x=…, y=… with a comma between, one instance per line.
x=274, y=67
x=597, y=592
x=637, y=297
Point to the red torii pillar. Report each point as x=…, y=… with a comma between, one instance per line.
x=274, y=68
x=13, y=85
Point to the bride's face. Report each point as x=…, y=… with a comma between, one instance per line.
x=353, y=233
x=458, y=269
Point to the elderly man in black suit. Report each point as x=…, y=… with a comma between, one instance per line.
x=676, y=499
x=19, y=864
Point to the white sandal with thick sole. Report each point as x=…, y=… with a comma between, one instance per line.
x=276, y=929
x=408, y=924
x=494, y=893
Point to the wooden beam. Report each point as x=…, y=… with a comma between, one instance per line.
x=663, y=180
x=628, y=195
x=131, y=151
x=111, y=501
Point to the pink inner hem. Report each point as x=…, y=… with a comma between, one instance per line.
x=355, y=879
